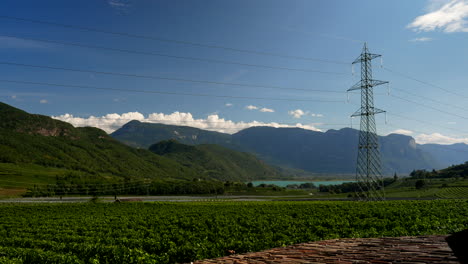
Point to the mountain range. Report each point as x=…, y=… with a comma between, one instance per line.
x=54, y=146
x=333, y=151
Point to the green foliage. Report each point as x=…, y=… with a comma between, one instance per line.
x=184, y=232
x=420, y=184
x=455, y=171
x=88, y=154
x=142, y=187
x=216, y=162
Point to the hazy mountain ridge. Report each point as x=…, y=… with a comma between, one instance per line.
x=333, y=151
x=143, y=135
x=447, y=154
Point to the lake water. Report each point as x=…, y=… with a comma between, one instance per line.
x=285, y=183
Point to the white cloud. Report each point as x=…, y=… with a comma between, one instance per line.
x=112, y=122
x=449, y=17
x=118, y=3
x=298, y=113
x=402, y=132
x=316, y=115
x=261, y=109
x=43, y=101
x=434, y=5
x=437, y=138
x=228, y=105
x=423, y=39
x=267, y=110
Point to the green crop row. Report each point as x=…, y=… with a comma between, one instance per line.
x=184, y=232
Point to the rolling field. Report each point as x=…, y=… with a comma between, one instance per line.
x=184, y=232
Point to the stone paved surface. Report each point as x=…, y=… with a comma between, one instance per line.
x=423, y=249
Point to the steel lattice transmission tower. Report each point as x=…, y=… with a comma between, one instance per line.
x=368, y=169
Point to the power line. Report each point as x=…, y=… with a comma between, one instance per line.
x=165, y=78
x=424, y=82
x=167, y=93
x=182, y=42
x=174, y=56
x=427, y=123
x=428, y=106
x=423, y=122
x=427, y=98
x=430, y=99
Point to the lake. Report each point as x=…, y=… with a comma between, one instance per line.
x=285, y=183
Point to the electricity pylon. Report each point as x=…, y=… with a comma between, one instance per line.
x=368, y=169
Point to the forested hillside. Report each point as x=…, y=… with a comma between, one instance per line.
x=35, y=139
x=215, y=161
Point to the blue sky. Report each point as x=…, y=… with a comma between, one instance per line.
x=420, y=39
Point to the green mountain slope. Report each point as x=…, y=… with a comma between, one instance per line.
x=214, y=161
x=40, y=140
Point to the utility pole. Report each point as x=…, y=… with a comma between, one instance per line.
x=368, y=169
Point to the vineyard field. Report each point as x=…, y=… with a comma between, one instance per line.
x=184, y=232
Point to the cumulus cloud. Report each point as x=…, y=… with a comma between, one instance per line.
x=251, y=107
x=451, y=16
x=267, y=110
x=437, y=138
x=112, y=122
x=402, y=132
x=43, y=101
x=316, y=115
x=423, y=39
x=228, y=105
x=261, y=109
x=298, y=113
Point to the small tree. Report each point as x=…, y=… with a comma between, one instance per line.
x=420, y=184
